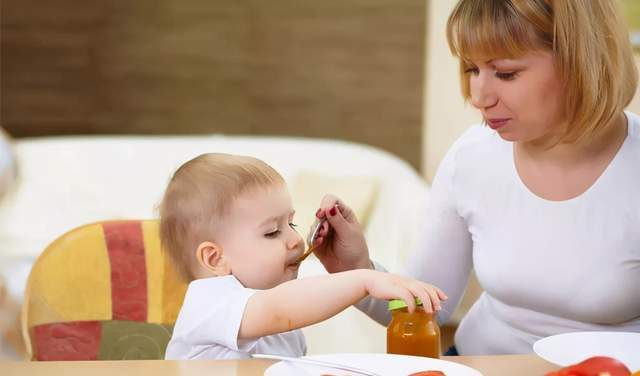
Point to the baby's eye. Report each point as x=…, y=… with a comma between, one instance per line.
x=272, y=234
x=293, y=225
x=506, y=76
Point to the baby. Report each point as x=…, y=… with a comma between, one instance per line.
x=227, y=223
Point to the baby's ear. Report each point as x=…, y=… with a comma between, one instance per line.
x=211, y=257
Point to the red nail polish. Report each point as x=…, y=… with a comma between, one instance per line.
x=332, y=212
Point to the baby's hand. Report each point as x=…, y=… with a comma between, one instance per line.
x=391, y=286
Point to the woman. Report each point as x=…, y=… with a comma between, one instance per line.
x=542, y=199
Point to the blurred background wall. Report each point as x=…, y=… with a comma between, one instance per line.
x=346, y=69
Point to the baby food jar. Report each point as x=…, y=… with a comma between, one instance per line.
x=414, y=333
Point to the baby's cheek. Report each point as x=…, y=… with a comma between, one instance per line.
x=274, y=268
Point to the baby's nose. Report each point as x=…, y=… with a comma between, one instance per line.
x=296, y=243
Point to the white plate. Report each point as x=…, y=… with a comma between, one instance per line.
x=570, y=348
x=383, y=364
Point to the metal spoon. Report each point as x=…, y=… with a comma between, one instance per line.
x=313, y=234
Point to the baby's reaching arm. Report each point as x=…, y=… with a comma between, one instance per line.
x=302, y=302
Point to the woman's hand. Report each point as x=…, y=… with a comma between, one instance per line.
x=340, y=245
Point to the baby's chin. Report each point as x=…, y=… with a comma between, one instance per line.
x=290, y=273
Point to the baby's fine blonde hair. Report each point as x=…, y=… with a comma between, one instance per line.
x=200, y=195
x=589, y=41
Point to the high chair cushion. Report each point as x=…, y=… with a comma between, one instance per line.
x=102, y=291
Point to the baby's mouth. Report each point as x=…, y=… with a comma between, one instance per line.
x=294, y=262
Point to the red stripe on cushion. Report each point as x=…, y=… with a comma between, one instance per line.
x=68, y=341
x=125, y=245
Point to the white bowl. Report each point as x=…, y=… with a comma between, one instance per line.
x=570, y=348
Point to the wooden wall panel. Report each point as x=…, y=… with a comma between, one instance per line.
x=349, y=69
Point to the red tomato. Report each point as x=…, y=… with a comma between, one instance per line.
x=595, y=366
x=428, y=373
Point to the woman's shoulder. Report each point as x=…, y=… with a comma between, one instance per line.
x=633, y=125
x=478, y=152
x=478, y=141
x=631, y=150
x=477, y=136
x=476, y=132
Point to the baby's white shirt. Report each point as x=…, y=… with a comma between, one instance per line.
x=209, y=322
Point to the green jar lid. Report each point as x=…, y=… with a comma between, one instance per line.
x=399, y=303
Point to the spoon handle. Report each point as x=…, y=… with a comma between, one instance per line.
x=305, y=255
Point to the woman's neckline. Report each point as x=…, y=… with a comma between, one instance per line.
x=591, y=187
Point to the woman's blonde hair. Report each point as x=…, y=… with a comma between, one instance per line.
x=200, y=195
x=589, y=41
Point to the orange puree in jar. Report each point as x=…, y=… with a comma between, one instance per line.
x=414, y=333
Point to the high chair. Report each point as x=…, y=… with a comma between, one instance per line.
x=102, y=291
